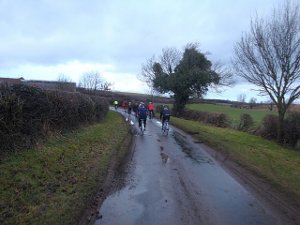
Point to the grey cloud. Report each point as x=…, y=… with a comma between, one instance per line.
x=124, y=33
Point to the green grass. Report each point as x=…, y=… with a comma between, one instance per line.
x=55, y=183
x=233, y=113
x=265, y=158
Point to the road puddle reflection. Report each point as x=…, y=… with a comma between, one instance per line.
x=190, y=152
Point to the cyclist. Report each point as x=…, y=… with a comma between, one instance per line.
x=142, y=114
x=135, y=109
x=164, y=115
x=115, y=103
x=151, y=110
x=124, y=105
x=129, y=109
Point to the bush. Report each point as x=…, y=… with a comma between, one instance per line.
x=10, y=119
x=216, y=119
x=23, y=111
x=291, y=132
x=64, y=111
x=101, y=107
x=86, y=108
x=69, y=110
x=269, y=126
x=27, y=114
x=292, y=128
x=246, y=122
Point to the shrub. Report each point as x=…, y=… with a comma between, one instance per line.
x=10, y=119
x=86, y=108
x=27, y=114
x=246, y=122
x=69, y=110
x=64, y=110
x=268, y=127
x=292, y=128
x=101, y=107
x=24, y=112
x=217, y=119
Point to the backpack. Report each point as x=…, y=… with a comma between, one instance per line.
x=166, y=112
x=142, y=112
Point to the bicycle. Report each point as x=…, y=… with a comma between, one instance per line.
x=142, y=128
x=165, y=127
x=151, y=114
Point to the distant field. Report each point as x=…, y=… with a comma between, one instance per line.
x=294, y=107
x=233, y=113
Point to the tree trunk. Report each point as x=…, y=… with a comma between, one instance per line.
x=179, y=105
x=280, y=126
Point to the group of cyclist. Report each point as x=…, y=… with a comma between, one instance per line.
x=142, y=111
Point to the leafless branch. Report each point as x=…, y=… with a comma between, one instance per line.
x=93, y=81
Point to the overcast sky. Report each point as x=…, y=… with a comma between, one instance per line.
x=40, y=39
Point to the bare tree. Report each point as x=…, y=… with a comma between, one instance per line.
x=93, y=81
x=168, y=60
x=268, y=56
x=252, y=102
x=241, y=98
x=270, y=104
x=62, y=80
x=147, y=75
x=226, y=76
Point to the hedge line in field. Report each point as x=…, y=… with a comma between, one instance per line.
x=216, y=119
x=267, y=129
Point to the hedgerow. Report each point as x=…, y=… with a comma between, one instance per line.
x=216, y=119
x=29, y=114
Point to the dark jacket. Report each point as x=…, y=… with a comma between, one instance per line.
x=142, y=112
x=165, y=113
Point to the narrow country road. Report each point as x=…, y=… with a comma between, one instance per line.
x=173, y=180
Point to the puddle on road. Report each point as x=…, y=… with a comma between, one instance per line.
x=120, y=209
x=193, y=154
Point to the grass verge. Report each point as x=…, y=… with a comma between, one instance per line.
x=265, y=158
x=55, y=184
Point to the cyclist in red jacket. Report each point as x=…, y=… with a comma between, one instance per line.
x=151, y=110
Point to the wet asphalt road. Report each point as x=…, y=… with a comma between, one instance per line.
x=173, y=180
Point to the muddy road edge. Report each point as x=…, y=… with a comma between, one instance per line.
x=114, y=177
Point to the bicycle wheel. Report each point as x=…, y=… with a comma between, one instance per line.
x=167, y=128
x=164, y=128
x=142, y=127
